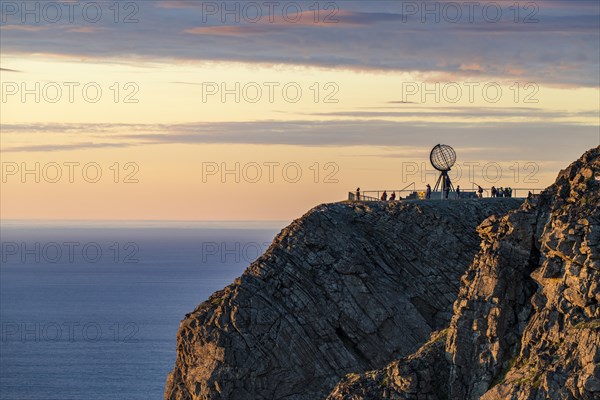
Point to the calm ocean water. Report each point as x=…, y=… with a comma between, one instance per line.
x=91, y=311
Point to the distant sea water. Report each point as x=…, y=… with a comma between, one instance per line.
x=91, y=310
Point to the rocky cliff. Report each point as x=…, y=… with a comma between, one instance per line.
x=346, y=288
x=526, y=322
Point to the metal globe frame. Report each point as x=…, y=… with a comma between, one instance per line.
x=442, y=158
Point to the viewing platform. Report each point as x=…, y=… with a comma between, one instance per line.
x=421, y=194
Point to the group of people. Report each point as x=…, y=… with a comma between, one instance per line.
x=384, y=196
x=495, y=192
x=501, y=192
x=446, y=191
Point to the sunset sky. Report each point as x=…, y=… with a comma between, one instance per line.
x=352, y=93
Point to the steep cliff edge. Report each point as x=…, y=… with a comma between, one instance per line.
x=526, y=322
x=346, y=288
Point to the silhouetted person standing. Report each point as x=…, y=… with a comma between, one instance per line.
x=428, y=192
x=458, y=192
x=447, y=187
x=480, y=192
x=358, y=194
x=384, y=196
x=393, y=196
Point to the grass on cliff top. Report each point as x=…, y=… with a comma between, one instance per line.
x=216, y=301
x=438, y=336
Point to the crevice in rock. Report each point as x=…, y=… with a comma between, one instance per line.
x=352, y=348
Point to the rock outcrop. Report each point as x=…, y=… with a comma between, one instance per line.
x=348, y=287
x=423, y=375
x=526, y=323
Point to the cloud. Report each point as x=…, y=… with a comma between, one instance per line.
x=86, y=29
x=67, y=128
x=238, y=30
x=512, y=140
x=560, y=49
x=498, y=113
x=63, y=147
x=279, y=23
x=24, y=28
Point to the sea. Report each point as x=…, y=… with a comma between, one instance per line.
x=90, y=310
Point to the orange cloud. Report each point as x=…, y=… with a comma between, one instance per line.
x=86, y=29
x=223, y=30
x=25, y=28
x=474, y=67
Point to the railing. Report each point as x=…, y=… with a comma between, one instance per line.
x=476, y=187
x=375, y=195
x=414, y=194
x=515, y=191
x=414, y=185
x=525, y=191
x=353, y=196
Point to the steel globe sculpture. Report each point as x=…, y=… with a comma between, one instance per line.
x=443, y=157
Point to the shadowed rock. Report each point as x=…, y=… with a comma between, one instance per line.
x=346, y=288
x=526, y=322
x=408, y=378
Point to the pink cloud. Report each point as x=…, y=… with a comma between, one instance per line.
x=238, y=30
x=266, y=24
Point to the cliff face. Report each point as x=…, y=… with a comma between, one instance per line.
x=526, y=322
x=346, y=288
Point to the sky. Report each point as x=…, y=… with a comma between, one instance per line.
x=257, y=111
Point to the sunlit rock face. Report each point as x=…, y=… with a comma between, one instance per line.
x=526, y=322
x=347, y=288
